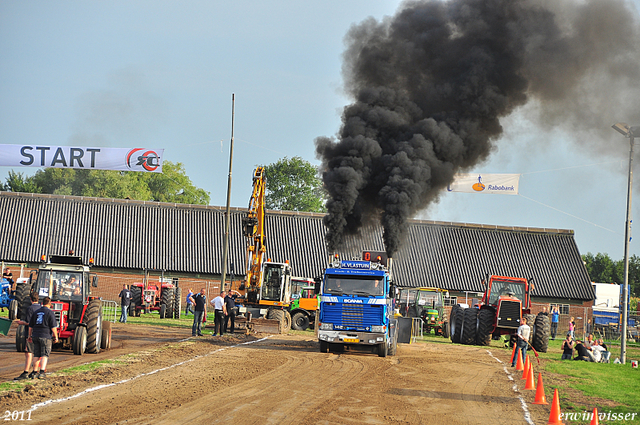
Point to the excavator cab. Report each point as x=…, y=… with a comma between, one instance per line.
x=276, y=284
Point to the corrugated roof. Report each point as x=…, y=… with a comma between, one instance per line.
x=125, y=234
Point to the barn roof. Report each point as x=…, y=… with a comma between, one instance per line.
x=126, y=234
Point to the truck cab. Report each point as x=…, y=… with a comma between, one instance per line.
x=356, y=307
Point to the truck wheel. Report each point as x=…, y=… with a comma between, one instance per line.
x=13, y=310
x=300, y=321
x=136, y=300
x=541, y=335
x=163, y=311
x=21, y=338
x=105, y=342
x=177, y=300
x=93, y=321
x=22, y=296
x=383, y=349
x=531, y=321
x=278, y=315
x=80, y=340
x=452, y=324
x=393, y=349
x=485, y=326
x=470, y=327
x=167, y=300
x=445, y=330
x=324, y=347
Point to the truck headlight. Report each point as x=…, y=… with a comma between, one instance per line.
x=326, y=326
x=380, y=329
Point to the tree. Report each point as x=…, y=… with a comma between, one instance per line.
x=603, y=269
x=294, y=185
x=172, y=185
x=18, y=182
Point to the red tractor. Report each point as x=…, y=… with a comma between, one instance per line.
x=160, y=296
x=506, y=300
x=66, y=280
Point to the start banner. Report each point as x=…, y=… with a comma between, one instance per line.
x=505, y=184
x=120, y=159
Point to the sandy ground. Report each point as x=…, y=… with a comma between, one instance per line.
x=277, y=379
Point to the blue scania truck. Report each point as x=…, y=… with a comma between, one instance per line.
x=357, y=306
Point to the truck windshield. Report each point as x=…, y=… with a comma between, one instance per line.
x=60, y=285
x=499, y=287
x=340, y=285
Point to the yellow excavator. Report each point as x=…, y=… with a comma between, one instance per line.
x=265, y=294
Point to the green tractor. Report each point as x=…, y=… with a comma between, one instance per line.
x=428, y=304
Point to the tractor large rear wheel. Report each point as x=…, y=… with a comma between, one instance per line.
x=22, y=296
x=94, y=326
x=167, y=300
x=21, y=338
x=177, y=299
x=136, y=300
x=105, y=342
x=454, y=330
x=470, y=326
x=485, y=326
x=79, y=340
x=541, y=334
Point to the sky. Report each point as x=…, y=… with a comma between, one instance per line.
x=161, y=74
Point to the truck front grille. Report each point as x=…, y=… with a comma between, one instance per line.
x=509, y=314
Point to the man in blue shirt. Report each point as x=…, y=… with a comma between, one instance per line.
x=189, y=303
x=555, y=316
x=42, y=327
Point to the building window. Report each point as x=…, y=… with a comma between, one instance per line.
x=562, y=308
x=449, y=301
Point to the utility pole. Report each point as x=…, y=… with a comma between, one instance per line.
x=227, y=213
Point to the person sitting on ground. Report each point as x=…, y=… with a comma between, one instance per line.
x=581, y=350
x=596, y=352
x=589, y=342
x=606, y=354
x=567, y=348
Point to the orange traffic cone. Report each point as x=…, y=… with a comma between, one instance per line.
x=525, y=372
x=513, y=353
x=519, y=365
x=594, y=420
x=554, y=417
x=540, y=397
x=530, y=385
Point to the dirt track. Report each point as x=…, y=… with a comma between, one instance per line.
x=284, y=379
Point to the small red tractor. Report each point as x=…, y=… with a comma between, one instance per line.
x=159, y=296
x=506, y=300
x=67, y=281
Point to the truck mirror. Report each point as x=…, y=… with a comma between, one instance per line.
x=94, y=281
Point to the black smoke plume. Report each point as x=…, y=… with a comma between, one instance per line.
x=431, y=83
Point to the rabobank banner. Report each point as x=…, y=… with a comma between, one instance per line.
x=505, y=184
x=120, y=159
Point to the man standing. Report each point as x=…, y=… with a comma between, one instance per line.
x=189, y=303
x=28, y=351
x=42, y=327
x=555, y=316
x=125, y=301
x=523, y=340
x=230, y=306
x=220, y=312
x=200, y=301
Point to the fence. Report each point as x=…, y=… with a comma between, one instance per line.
x=110, y=285
x=109, y=310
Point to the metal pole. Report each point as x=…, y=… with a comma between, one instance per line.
x=227, y=214
x=627, y=232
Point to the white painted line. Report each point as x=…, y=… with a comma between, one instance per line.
x=527, y=414
x=100, y=387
